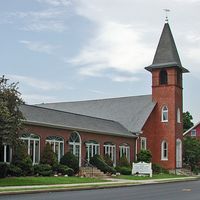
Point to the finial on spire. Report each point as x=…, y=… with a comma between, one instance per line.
x=166, y=17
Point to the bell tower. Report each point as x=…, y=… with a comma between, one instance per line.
x=167, y=71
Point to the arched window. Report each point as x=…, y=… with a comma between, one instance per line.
x=164, y=150
x=124, y=149
x=163, y=77
x=33, y=145
x=57, y=144
x=178, y=115
x=75, y=145
x=92, y=148
x=110, y=150
x=164, y=114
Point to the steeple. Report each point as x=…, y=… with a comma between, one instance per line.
x=166, y=54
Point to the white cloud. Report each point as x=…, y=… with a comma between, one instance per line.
x=120, y=78
x=115, y=46
x=40, y=47
x=56, y=2
x=37, y=83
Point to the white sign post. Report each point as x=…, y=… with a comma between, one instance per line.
x=142, y=168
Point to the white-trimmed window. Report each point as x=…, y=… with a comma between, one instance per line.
x=57, y=145
x=164, y=150
x=92, y=148
x=5, y=153
x=75, y=145
x=143, y=143
x=194, y=133
x=124, y=149
x=33, y=145
x=110, y=150
x=178, y=115
x=164, y=114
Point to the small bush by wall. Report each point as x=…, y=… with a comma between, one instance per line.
x=98, y=162
x=63, y=169
x=3, y=170
x=71, y=161
x=123, y=162
x=14, y=171
x=124, y=170
x=144, y=156
x=43, y=170
x=48, y=156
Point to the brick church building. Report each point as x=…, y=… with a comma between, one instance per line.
x=115, y=126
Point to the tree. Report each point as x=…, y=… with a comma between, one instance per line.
x=187, y=121
x=10, y=115
x=144, y=156
x=191, y=152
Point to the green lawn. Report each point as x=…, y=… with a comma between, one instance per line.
x=21, y=181
x=155, y=176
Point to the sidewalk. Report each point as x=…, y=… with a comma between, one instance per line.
x=111, y=182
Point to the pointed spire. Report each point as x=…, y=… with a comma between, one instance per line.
x=166, y=54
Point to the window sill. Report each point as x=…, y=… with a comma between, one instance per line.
x=164, y=159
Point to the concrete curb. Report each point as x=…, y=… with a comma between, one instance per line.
x=89, y=186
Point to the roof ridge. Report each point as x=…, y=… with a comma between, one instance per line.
x=87, y=100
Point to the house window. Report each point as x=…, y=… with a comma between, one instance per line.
x=33, y=144
x=75, y=145
x=164, y=114
x=178, y=116
x=5, y=153
x=143, y=143
x=110, y=150
x=193, y=133
x=164, y=150
x=57, y=144
x=124, y=149
x=163, y=77
x=92, y=148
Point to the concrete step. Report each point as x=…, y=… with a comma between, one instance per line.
x=91, y=172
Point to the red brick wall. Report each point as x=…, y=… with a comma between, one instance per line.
x=157, y=131
x=44, y=132
x=197, y=128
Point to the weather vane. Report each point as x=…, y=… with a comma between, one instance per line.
x=166, y=18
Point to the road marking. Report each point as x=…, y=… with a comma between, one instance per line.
x=186, y=190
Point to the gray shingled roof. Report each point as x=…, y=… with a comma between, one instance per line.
x=132, y=112
x=60, y=119
x=166, y=54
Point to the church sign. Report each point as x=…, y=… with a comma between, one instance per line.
x=142, y=168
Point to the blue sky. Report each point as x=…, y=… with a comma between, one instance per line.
x=66, y=50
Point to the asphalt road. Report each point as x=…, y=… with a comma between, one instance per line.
x=169, y=191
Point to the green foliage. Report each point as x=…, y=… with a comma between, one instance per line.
x=124, y=170
x=191, y=152
x=43, y=170
x=98, y=162
x=48, y=156
x=144, y=156
x=26, y=166
x=157, y=169
x=71, y=161
x=3, y=170
x=15, y=171
x=20, y=153
x=63, y=169
x=123, y=162
x=187, y=121
x=10, y=115
x=108, y=160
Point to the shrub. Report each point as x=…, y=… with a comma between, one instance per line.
x=157, y=169
x=124, y=170
x=98, y=162
x=108, y=160
x=3, y=170
x=123, y=162
x=43, y=170
x=63, y=169
x=26, y=166
x=14, y=171
x=20, y=153
x=48, y=156
x=144, y=156
x=71, y=161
